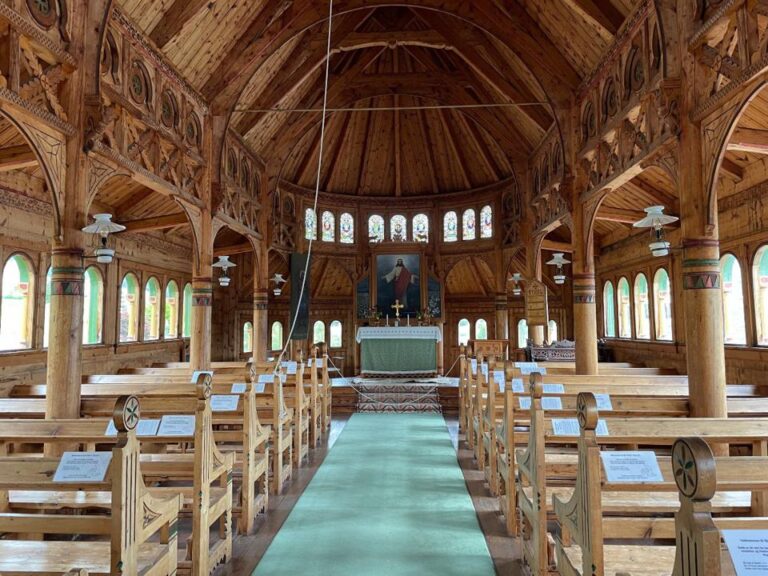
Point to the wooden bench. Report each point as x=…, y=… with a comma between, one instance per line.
x=204, y=474
x=298, y=401
x=588, y=531
x=536, y=480
x=237, y=431
x=141, y=527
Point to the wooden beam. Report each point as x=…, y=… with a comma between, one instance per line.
x=620, y=215
x=555, y=246
x=16, y=158
x=603, y=12
x=241, y=248
x=156, y=223
x=731, y=169
x=174, y=18
x=749, y=140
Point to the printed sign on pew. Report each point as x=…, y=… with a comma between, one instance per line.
x=146, y=427
x=570, y=427
x=749, y=551
x=631, y=466
x=83, y=467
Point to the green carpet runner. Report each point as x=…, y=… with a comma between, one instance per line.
x=389, y=500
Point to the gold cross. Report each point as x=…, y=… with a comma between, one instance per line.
x=397, y=307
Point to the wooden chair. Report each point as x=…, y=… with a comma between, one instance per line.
x=141, y=528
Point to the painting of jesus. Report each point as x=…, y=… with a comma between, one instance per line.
x=398, y=280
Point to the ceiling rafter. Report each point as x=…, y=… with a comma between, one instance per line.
x=604, y=13
x=174, y=19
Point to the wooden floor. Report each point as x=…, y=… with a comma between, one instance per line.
x=249, y=549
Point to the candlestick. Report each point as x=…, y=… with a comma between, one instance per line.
x=387, y=319
x=409, y=319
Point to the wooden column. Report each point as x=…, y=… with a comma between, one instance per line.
x=260, y=324
x=200, y=340
x=584, y=305
x=502, y=317
x=66, y=334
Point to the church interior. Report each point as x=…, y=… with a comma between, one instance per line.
x=361, y=287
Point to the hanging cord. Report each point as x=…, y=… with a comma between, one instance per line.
x=317, y=186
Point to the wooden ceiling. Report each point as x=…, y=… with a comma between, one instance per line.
x=520, y=55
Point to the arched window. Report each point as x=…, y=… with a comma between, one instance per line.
x=93, y=306
x=47, y=313
x=481, y=329
x=277, y=336
x=336, y=341
x=468, y=225
x=398, y=228
x=129, y=309
x=186, y=320
x=171, y=328
x=760, y=287
x=318, y=332
x=329, y=227
x=310, y=224
x=375, y=228
x=662, y=305
x=347, y=228
x=733, y=301
x=247, y=337
x=152, y=309
x=421, y=228
x=642, y=312
x=522, y=333
x=625, y=310
x=450, y=227
x=551, y=331
x=486, y=222
x=464, y=331
x=17, y=309
x=609, y=310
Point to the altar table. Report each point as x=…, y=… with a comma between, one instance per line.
x=393, y=351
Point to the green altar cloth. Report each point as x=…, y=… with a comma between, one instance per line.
x=396, y=351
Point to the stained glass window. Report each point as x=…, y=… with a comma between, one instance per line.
x=329, y=227
x=450, y=227
x=421, y=228
x=522, y=333
x=152, y=310
x=347, y=228
x=17, y=308
x=398, y=228
x=318, y=332
x=486, y=222
x=662, y=305
x=375, y=228
x=625, y=310
x=464, y=329
x=310, y=224
x=733, y=301
x=248, y=337
x=481, y=329
x=171, y=329
x=609, y=311
x=277, y=336
x=468, y=231
x=93, y=306
x=129, y=309
x=336, y=341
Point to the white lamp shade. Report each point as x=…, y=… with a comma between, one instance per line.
x=655, y=218
x=103, y=225
x=224, y=263
x=558, y=260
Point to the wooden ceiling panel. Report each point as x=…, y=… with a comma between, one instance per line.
x=470, y=277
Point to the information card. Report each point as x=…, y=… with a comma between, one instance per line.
x=546, y=403
x=224, y=402
x=522, y=365
x=517, y=386
x=268, y=378
x=631, y=466
x=570, y=427
x=259, y=388
x=604, y=402
x=749, y=551
x=177, y=425
x=238, y=388
x=83, y=467
x=528, y=370
x=145, y=428
x=196, y=374
x=553, y=389
x=473, y=363
x=291, y=367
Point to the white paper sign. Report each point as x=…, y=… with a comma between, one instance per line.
x=177, y=425
x=549, y=403
x=319, y=362
x=517, y=386
x=631, y=466
x=224, y=402
x=196, y=374
x=260, y=387
x=522, y=365
x=82, y=467
x=238, y=388
x=502, y=386
x=604, y=402
x=268, y=378
x=283, y=378
x=498, y=375
x=473, y=363
x=291, y=367
x=749, y=551
x=484, y=369
x=553, y=389
x=528, y=370
x=145, y=428
x=570, y=427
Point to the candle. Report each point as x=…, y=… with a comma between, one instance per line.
x=387, y=319
x=409, y=319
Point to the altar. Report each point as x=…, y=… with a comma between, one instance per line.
x=399, y=350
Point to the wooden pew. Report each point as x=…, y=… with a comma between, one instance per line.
x=590, y=532
x=239, y=431
x=320, y=362
x=141, y=527
x=206, y=473
x=297, y=400
x=535, y=477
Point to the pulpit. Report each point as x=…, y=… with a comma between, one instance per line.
x=497, y=348
x=399, y=350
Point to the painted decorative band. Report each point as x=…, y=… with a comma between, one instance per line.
x=70, y=287
x=701, y=262
x=699, y=243
x=590, y=277
x=202, y=296
x=701, y=281
x=259, y=305
x=584, y=298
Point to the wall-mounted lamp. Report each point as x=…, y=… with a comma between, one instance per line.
x=655, y=219
x=279, y=281
x=225, y=264
x=517, y=290
x=559, y=261
x=103, y=226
